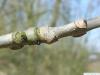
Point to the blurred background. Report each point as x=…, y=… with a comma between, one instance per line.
x=68, y=56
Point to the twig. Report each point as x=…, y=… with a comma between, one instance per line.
x=38, y=35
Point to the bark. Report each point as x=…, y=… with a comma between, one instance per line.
x=38, y=35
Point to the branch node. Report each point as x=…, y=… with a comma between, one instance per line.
x=81, y=28
x=19, y=39
x=33, y=36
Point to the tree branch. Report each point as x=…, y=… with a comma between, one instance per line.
x=38, y=35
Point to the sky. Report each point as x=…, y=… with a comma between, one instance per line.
x=78, y=11
x=93, y=41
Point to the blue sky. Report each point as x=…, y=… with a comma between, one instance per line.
x=79, y=9
x=93, y=41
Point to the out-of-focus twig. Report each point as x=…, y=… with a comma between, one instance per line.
x=55, y=13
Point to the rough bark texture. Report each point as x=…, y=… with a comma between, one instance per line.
x=38, y=35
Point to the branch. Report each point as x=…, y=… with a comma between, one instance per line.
x=55, y=13
x=38, y=35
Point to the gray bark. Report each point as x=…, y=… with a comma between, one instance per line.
x=38, y=35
